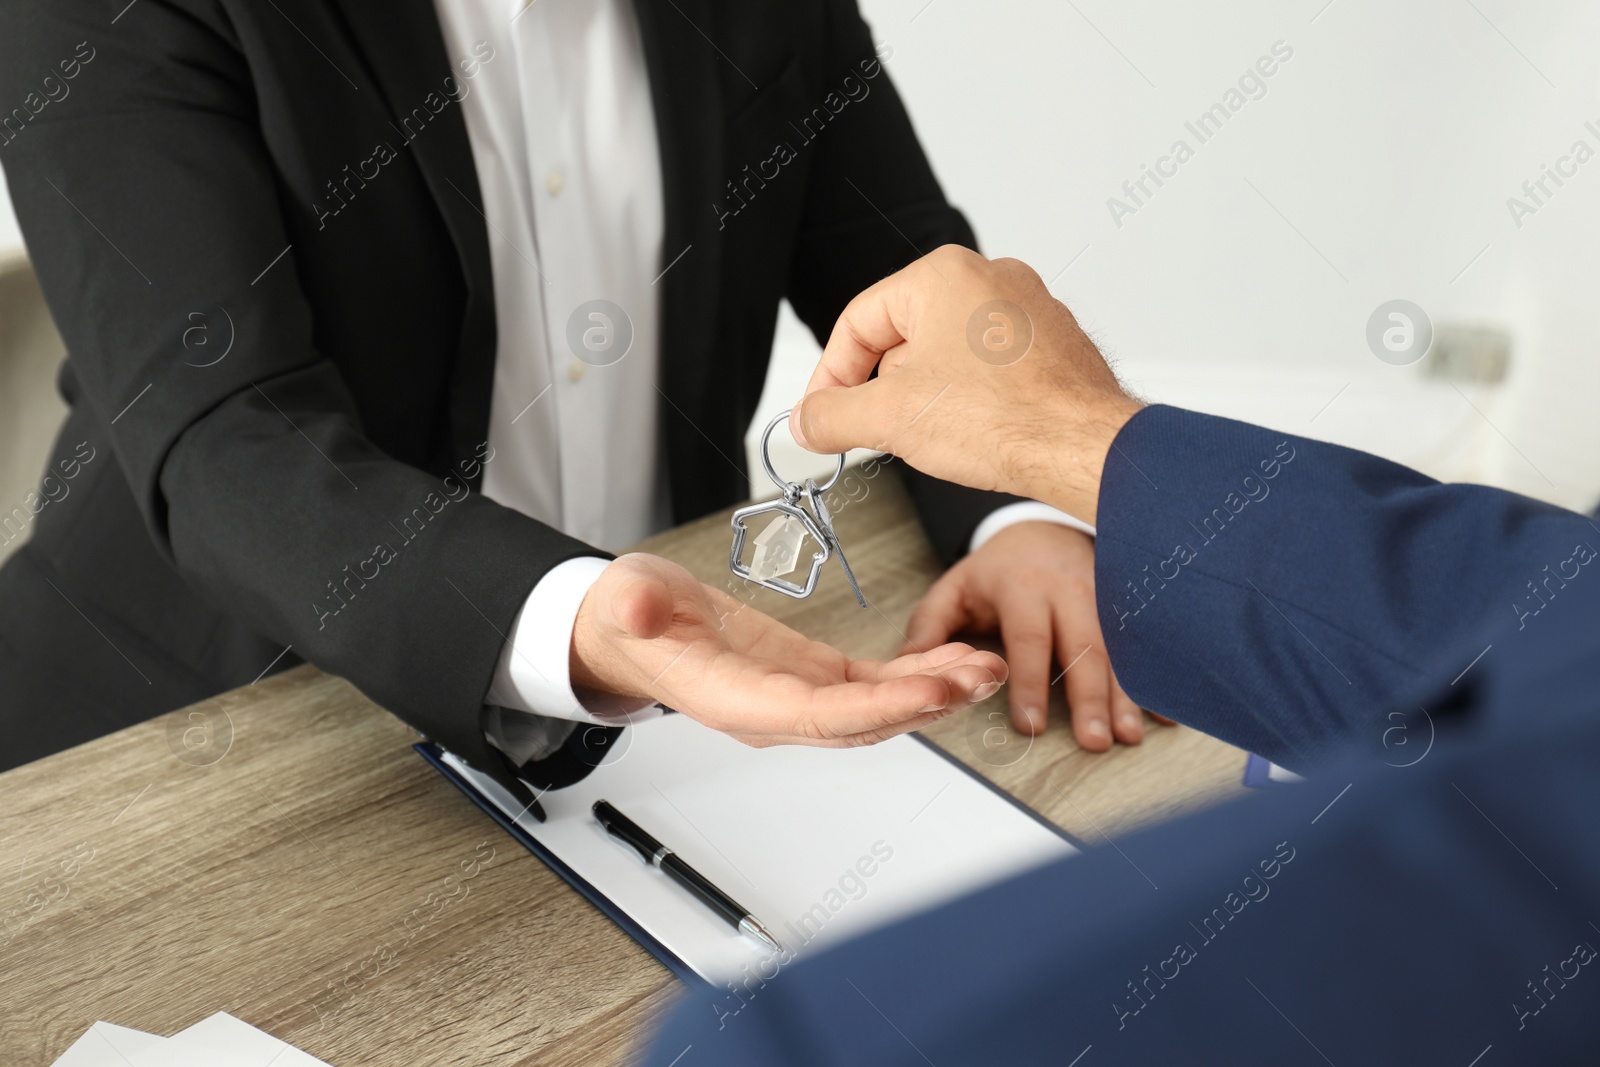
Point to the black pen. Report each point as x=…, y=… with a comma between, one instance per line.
x=656, y=854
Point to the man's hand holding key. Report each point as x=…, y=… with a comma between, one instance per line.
x=1039, y=426
x=1035, y=421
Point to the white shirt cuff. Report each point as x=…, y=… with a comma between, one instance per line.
x=1022, y=511
x=533, y=674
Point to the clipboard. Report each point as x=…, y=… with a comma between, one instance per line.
x=820, y=844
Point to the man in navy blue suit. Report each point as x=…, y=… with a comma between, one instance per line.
x=1428, y=654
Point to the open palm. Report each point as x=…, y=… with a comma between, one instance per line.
x=649, y=629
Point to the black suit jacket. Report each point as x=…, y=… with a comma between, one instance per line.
x=177, y=192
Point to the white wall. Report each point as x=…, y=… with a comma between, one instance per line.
x=1390, y=141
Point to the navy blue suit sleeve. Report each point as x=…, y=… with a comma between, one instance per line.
x=1424, y=904
x=1283, y=594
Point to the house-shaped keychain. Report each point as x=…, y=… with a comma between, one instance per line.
x=800, y=513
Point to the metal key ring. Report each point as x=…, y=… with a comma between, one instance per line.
x=766, y=461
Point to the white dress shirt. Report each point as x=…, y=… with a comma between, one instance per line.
x=564, y=140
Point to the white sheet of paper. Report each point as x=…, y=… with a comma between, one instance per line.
x=819, y=844
x=107, y=1045
x=221, y=1040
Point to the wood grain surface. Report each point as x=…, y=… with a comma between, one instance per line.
x=280, y=853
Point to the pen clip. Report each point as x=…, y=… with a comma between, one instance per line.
x=632, y=846
x=628, y=832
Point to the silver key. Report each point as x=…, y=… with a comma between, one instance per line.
x=825, y=521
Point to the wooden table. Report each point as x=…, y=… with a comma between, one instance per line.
x=280, y=853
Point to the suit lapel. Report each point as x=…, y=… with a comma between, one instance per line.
x=403, y=49
x=684, y=86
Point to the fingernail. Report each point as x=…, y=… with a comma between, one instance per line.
x=931, y=708
x=1097, y=731
x=794, y=426
x=985, y=691
x=1035, y=717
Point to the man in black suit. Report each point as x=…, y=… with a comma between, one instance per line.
x=277, y=264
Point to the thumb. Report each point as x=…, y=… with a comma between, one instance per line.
x=643, y=607
x=941, y=612
x=839, y=418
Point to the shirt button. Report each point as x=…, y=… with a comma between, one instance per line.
x=576, y=369
x=554, y=182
